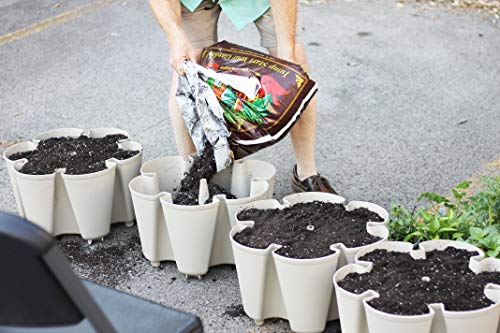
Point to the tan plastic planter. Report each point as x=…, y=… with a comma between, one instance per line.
x=195, y=237
x=357, y=316
x=300, y=290
x=76, y=204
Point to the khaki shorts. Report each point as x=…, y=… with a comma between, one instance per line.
x=201, y=26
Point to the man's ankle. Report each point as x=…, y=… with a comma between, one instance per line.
x=307, y=171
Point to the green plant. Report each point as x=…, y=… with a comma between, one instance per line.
x=471, y=218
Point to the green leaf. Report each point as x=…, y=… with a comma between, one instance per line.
x=426, y=216
x=434, y=226
x=446, y=230
x=494, y=252
x=415, y=234
x=434, y=197
x=476, y=232
x=464, y=185
x=458, y=195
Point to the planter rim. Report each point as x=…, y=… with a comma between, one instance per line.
x=366, y=266
x=304, y=262
x=173, y=157
x=335, y=248
x=216, y=198
x=359, y=248
x=240, y=201
x=148, y=197
x=472, y=313
x=6, y=152
x=261, y=252
x=315, y=196
x=421, y=248
x=368, y=205
x=110, y=162
x=432, y=307
x=393, y=317
x=110, y=167
x=380, y=246
x=341, y=273
x=215, y=202
x=108, y=131
x=54, y=133
x=270, y=165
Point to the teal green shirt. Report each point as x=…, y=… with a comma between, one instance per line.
x=240, y=12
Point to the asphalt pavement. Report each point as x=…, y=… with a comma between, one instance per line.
x=409, y=101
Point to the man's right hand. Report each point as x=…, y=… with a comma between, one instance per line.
x=180, y=52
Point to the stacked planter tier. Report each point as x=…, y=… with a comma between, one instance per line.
x=195, y=237
x=300, y=290
x=357, y=316
x=84, y=204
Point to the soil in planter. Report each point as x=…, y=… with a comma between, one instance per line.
x=307, y=230
x=203, y=167
x=191, y=198
x=406, y=286
x=81, y=155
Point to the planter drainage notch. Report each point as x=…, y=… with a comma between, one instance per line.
x=84, y=204
x=300, y=290
x=195, y=237
x=357, y=316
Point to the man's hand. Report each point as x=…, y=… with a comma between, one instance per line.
x=180, y=52
x=168, y=14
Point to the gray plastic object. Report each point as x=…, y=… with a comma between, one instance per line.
x=195, y=237
x=300, y=290
x=357, y=316
x=75, y=204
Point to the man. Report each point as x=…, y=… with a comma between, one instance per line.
x=191, y=25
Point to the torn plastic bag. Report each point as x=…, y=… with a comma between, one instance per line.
x=203, y=114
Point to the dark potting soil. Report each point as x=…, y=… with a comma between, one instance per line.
x=235, y=311
x=81, y=155
x=191, y=198
x=306, y=230
x=110, y=263
x=203, y=167
x=406, y=286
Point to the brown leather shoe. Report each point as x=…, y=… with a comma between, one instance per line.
x=316, y=183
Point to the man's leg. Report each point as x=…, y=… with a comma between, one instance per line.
x=185, y=145
x=303, y=132
x=201, y=28
x=305, y=176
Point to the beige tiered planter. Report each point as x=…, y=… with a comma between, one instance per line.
x=300, y=290
x=357, y=316
x=84, y=204
x=195, y=237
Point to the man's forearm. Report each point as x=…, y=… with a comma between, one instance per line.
x=285, y=21
x=168, y=15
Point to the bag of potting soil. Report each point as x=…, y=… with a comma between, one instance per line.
x=241, y=100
